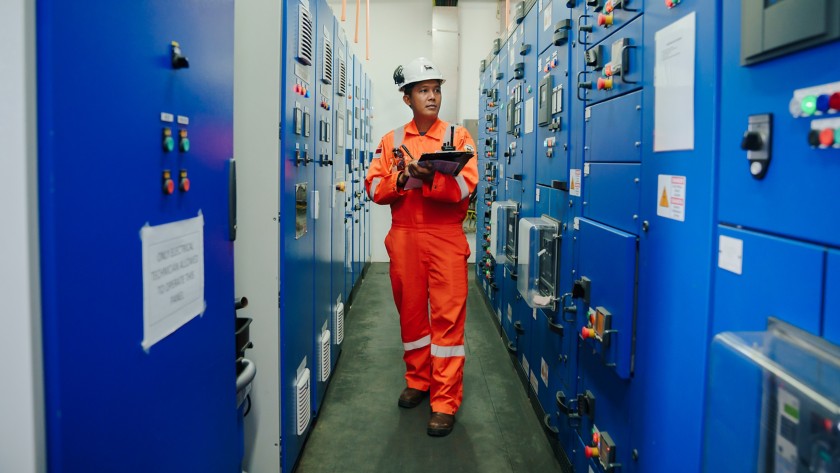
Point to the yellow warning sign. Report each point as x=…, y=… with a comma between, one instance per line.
x=573, y=184
x=663, y=201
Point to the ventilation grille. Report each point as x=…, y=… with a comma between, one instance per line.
x=304, y=55
x=302, y=396
x=342, y=78
x=328, y=64
x=338, y=323
x=324, y=355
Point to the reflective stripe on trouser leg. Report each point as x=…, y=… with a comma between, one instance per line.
x=447, y=253
x=409, y=284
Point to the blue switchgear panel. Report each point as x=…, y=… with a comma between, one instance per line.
x=350, y=174
x=614, y=130
x=672, y=335
x=527, y=52
x=613, y=63
x=611, y=194
x=552, y=109
x=369, y=144
x=138, y=139
x=800, y=177
x=554, y=340
x=356, y=162
x=494, y=170
x=340, y=188
x=604, y=17
x=515, y=108
x=766, y=271
x=297, y=168
x=831, y=316
x=322, y=202
x=608, y=262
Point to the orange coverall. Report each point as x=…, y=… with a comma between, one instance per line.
x=428, y=251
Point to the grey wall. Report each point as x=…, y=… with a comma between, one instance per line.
x=22, y=446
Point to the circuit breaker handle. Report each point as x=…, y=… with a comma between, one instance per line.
x=583, y=85
x=547, y=425
x=625, y=61
x=583, y=28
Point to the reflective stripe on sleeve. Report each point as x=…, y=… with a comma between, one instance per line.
x=462, y=183
x=425, y=341
x=447, y=352
x=373, y=185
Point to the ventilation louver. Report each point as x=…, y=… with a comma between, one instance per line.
x=302, y=397
x=324, y=355
x=327, y=69
x=342, y=78
x=304, y=54
x=338, y=323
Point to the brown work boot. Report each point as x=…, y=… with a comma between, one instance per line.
x=411, y=397
x=440, y=425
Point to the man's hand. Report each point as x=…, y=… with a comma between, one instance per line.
x=417, y=171
x=402, y=178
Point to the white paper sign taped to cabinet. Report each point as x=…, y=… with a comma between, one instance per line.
x=173, y=277
x=673, y=80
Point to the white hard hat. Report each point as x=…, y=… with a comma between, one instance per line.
x=418, y=70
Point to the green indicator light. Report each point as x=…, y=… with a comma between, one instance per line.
x=168, y=144
x=809, y=105
x=185, y=144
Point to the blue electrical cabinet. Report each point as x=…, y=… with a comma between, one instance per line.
x=831, y=316
x=802, y=151
x=494, y=170
x=552, y=96
x=675, y=277
x=322, y=209
x=765, y=271
x=297, y=195
x=527, y=53
x=140, y=140
x=553, y=338
x=485, y=141
x=356, y=163
x=340, y=189
x=350, y=173
x=368, y=158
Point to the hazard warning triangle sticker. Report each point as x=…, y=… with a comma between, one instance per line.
x=663, y=201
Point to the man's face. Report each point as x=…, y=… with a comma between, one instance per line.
x=425, y=98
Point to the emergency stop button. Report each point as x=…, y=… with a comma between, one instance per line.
x=591, y=452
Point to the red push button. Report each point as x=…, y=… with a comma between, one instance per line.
x=596, y=437
x=185, y=185
x=587, y=333
x=591, y=452
x=834, y=101
x=605, y=84
x=605, y=20
x=827, y=137
x=168, y=186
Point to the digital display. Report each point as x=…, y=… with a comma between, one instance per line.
x=792, y=411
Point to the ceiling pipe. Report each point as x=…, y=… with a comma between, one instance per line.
x=358, y=11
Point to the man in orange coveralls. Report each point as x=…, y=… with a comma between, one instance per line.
x=426, y=244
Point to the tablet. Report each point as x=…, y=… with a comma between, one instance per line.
x=450, y=162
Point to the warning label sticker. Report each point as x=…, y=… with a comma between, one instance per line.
x=671, y=197
x=574, y=182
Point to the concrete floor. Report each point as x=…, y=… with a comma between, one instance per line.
x=361, y=429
